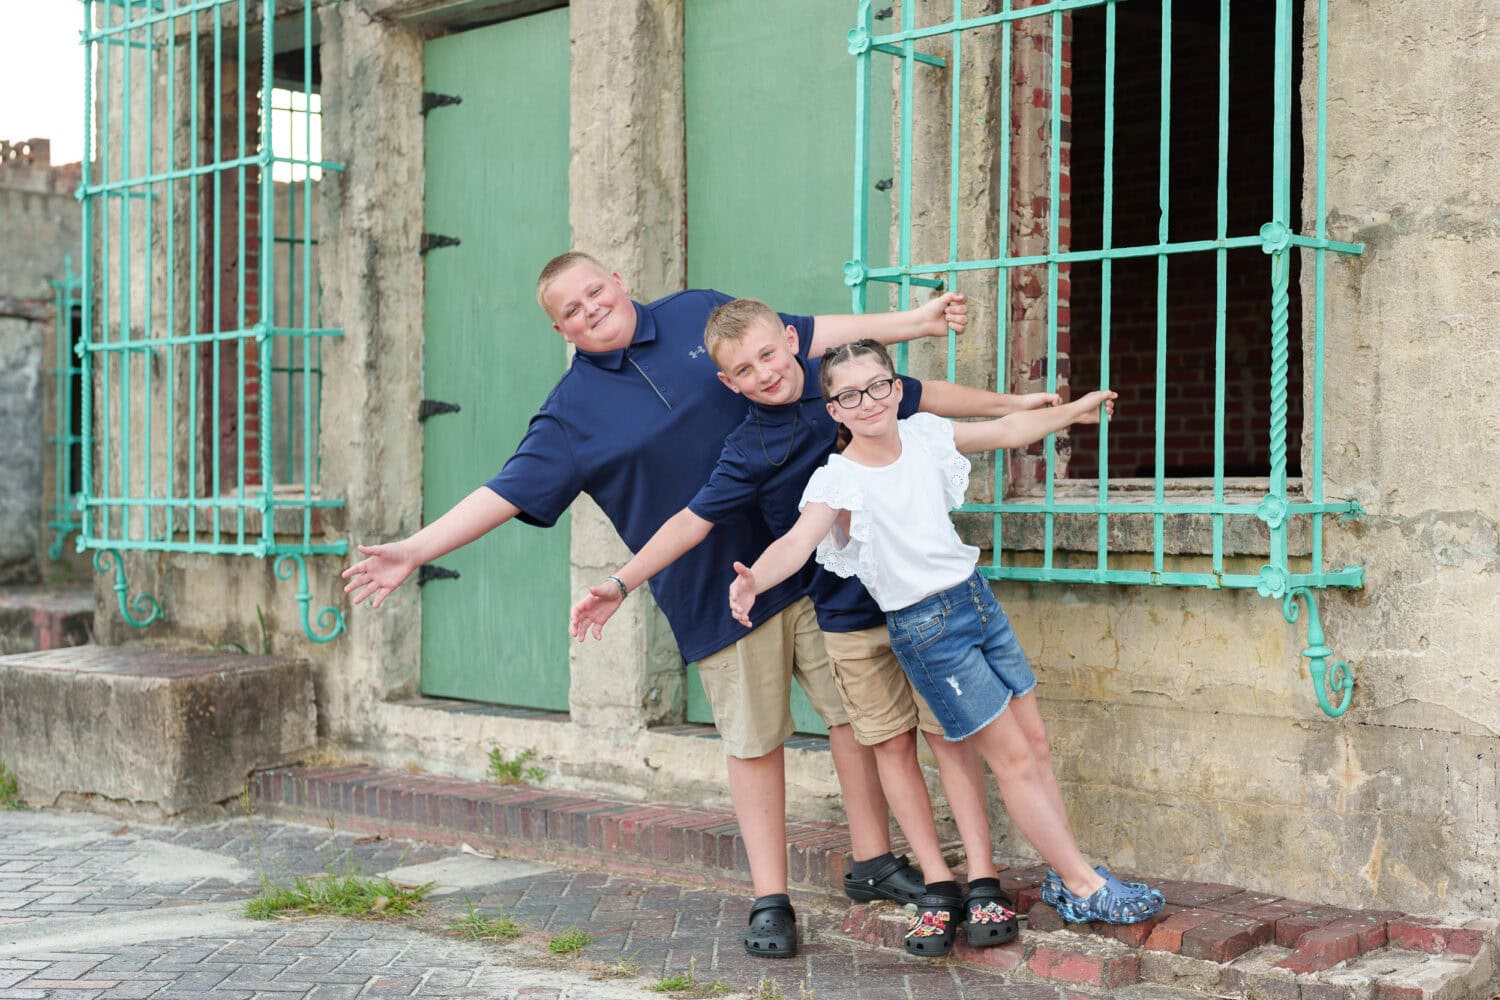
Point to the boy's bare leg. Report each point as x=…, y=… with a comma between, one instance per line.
x=864, y=802
x=757, y=786
x=962, y=775
x=906, y=791
x=1024, y=788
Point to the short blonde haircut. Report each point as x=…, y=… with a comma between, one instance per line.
x=728, y=323
x=557, y=265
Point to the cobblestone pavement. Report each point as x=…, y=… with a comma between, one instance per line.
x=94, y=908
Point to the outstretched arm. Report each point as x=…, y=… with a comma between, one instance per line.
x=681, y=532
x=951, y=309
x=386, y=567
x=948, y=399
x=781, y=559
x=1021, y=429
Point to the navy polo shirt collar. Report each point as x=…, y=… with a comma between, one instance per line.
x=783, y=413
x=645, y=333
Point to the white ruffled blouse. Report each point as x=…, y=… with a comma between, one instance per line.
x=901, y=542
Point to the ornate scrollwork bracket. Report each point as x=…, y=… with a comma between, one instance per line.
x=330, y=619
x=1335, y=684
x=143, y=604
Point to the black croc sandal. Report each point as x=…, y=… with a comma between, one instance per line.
x=930, y=931
x=773, y=930
x=989, y=917
x=896, y=880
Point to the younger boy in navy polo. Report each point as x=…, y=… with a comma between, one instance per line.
x=638, y=422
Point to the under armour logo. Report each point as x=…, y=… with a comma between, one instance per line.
x=695, y=352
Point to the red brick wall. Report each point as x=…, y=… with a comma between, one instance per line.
x=1192, y=216
x=223, y=230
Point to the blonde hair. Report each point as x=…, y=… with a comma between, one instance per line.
x=728, y=323
x=557, y=265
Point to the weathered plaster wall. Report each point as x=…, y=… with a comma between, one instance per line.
x=1184, y=729
x=40, y=220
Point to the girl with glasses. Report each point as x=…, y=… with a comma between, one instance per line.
x=879, y=510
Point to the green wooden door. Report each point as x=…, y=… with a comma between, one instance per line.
x=770, y=155
x=497, y=179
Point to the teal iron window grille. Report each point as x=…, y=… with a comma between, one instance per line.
x=1046, y=23
x=67, y=436
x=201, y=329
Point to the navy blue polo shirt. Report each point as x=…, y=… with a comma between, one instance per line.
x=639, y=430
x=766, y=463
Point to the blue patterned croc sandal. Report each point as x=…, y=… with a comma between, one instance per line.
x=1113, y=903
x=1053, y=882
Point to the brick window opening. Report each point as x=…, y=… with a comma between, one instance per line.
x=1191, y=282
x=231, y=292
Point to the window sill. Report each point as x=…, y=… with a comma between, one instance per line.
x=1182, y=534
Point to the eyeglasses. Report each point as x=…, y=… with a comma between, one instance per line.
x=851, y=398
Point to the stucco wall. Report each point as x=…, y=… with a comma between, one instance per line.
x=1184, y=727
x=40, y=224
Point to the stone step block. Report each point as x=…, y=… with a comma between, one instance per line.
x=38, y=618
x=147, y=733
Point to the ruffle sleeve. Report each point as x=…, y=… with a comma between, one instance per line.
x=934, y=435
x=843, y=555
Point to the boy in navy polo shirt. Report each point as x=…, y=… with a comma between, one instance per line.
x=637, y=422
x=765, y=464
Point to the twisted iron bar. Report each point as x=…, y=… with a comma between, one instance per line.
x=143, y=604
x=330, y=619
x=1329, y=685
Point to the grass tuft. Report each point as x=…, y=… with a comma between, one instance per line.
x=687, y=986
x=347, y=895
x=768, y=989
x=569, y=942
x=513, y=770
x=10, y=791
x=477, y=927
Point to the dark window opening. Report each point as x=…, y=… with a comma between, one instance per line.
x=1191, y=306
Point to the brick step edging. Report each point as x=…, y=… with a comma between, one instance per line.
x=1419, y=957
x=663, y=841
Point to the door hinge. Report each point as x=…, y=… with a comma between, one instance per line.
x=432, y=407
x=427, y=573
x=432, y=241
x=431, y=99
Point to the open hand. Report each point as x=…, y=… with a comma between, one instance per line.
x=742, y=594
x=1092, y=403
x=948, y=311
x=384, y=568
x=594, y=609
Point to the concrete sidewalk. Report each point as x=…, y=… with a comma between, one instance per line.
x=91, y=907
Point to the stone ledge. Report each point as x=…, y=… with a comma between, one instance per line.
x=146, y=733
x=39, y=618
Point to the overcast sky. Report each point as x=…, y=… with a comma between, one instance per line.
x=41, y=74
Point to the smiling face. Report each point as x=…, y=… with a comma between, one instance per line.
x=870, y=417
x=762, y=364
x=591, y=309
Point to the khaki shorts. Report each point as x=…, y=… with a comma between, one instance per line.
x=749, y=684
x=876, y=693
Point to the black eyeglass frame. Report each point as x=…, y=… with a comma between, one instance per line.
x=877, y=390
